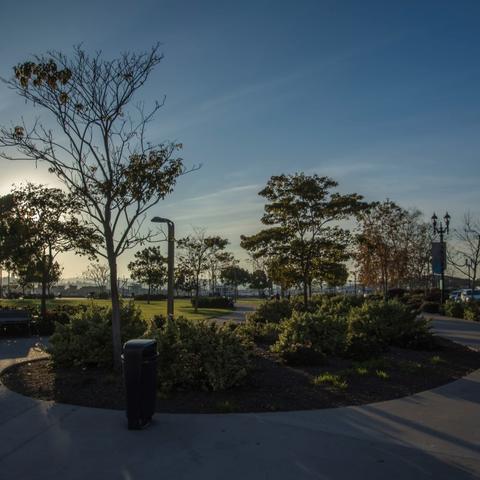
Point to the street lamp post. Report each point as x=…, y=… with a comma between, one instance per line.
x=171, y=261
x=441, y=230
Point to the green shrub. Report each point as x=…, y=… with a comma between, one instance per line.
x=46, y=325
x=430, y=307
x=471, y=311
x=306, y=338
x=260, y=333
x=376, y=325
x=152, y=297
x=271, y=311
x=86, y=341
x=200, y=355
x=454, y=309
x=339, y=304
x=214, y=302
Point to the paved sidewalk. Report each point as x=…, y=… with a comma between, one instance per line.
x=431, y=435
x=237, y=315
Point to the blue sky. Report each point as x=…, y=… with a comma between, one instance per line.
x=381, y=95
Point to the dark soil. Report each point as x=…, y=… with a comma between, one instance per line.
x=271, y=386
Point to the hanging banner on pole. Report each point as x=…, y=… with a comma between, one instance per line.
x=439, y=257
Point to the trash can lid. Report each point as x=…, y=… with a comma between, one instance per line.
x=148, y=346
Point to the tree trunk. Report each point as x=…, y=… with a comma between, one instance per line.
x=43, y=308
x=116, y=327
x=148, y=294
x=305, y=292
x=195, y=303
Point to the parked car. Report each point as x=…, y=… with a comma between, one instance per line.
x=455, y=295
x=470, y=295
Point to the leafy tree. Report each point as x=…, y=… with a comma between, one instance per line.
x=98, y=273
x=217, y=258
x=149, y=267
x=233, y=275
x=184, y=278
x=302, y=215
x=283, y=273
x=100, y=153
x=194, y=260
x=197, y=254
x=37, y=224
x=393, y=246
x=32, y=272
x=259, y=281
x=334, y=274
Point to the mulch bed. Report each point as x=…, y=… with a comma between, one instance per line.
x=271, y=386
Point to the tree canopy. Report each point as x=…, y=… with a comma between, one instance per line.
x=100, y=149
x=394, y=246
x=303, y=234
x=37, y=223
x=149, y=267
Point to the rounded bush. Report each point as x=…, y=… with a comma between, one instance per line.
x=454, y=309
x=306, y=338
x=200, y=355
x=376, y=325
x=471, y=311
x=259, y=333
x=214, y=302
x=86, y=341
x=271, y=311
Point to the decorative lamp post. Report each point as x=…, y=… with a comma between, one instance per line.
x=440, y=229
x=171, y=260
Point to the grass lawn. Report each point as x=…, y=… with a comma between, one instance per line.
x=183, y=306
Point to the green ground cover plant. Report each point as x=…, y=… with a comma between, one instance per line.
x=334, y=380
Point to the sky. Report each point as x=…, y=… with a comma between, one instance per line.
x=381, y=95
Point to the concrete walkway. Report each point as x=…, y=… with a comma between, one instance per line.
x=431, y=435
x=237, y=315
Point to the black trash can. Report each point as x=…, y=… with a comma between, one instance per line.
x=140, y=371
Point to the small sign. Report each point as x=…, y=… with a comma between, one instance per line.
x=439, y=257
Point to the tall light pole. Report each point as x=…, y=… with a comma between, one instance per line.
x=441, y=230
x=171, y=261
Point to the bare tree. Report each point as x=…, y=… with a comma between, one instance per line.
x=98, y=273
x=464, y=254
x=100, y=151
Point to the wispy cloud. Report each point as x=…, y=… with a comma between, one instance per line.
x=224, y=192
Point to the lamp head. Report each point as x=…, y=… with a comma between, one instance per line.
x=434, y=221
x=160, y=220
x=447, y=220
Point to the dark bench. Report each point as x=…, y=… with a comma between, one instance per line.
x=15, y=317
